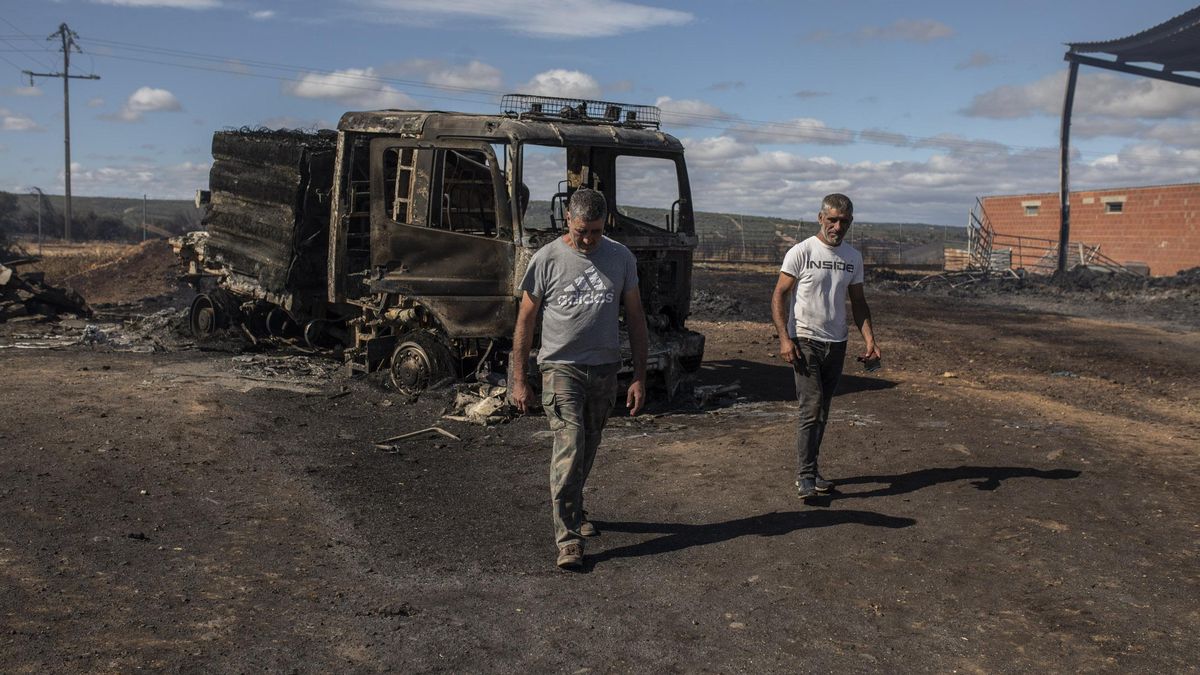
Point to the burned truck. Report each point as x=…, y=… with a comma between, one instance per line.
x=400, y=239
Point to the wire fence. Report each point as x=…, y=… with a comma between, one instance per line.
x=757, y=240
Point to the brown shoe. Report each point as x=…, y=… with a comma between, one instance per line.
x=571, y=556
x=586, y=528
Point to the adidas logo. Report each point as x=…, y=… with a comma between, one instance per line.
x=586, y=289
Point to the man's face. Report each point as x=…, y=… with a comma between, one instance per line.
x=584, y=235
x=834, y=225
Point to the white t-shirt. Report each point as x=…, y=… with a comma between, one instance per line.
x=822, y=273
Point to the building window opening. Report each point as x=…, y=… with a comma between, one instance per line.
x=1114, y=207
x=1031, y=209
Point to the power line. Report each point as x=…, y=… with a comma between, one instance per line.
x=25, y=36
x=784, y=132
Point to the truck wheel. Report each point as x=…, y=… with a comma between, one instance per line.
x=280, y=324
x=204, y=317
x=419, y=361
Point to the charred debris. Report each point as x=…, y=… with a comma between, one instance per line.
x=25, y=297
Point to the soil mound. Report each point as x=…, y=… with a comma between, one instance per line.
x=148, y=270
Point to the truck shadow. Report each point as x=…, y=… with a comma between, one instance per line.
x=678, y=536
x=982, y=478
x=773, y=382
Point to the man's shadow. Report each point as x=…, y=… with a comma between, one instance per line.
x=678, y=536
x=982, y=477
x=773, y=381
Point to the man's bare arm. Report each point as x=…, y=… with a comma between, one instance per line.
x=635, y=322
x=862, y=319
x=779, y=314
x=522, y=343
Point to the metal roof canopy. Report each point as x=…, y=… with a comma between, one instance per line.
x=1169, y=51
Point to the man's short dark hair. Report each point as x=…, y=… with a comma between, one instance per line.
x=838, y=201
x=587, y=205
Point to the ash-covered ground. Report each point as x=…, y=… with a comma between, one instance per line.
x=1016, y=491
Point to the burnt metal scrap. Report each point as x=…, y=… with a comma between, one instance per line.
x=398, y=241
x=28, y=296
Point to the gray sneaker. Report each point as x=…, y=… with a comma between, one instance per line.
x=821, y=484
x=806, y=488
x=586, y=528
x=570, y=557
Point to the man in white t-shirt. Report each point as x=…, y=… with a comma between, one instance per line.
x=809, y=311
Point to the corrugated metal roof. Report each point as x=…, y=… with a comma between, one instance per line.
x=1173, y=45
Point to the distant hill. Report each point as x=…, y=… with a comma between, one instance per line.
x=723, y=236
x=738, y=237
x=104, y=218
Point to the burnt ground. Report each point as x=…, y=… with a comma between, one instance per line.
x=1017, y=491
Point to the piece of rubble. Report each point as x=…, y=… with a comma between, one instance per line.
x=29, y=294
x=386, y=444
x=709, y=392
x=480, y=403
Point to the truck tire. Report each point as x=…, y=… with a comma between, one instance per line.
x=208, y=314
x=419, y=361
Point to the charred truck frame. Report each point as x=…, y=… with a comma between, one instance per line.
x=402, y=237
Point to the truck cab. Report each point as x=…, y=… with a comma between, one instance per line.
x=433, y=217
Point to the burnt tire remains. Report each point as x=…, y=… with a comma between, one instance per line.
x=208, y=314
x=420, y=361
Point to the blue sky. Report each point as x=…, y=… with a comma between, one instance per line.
x=914, y=109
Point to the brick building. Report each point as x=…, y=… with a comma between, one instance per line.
x=1156, y=226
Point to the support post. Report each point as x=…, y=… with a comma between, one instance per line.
x=1064, y=170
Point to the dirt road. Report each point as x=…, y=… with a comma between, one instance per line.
x=1016, y=492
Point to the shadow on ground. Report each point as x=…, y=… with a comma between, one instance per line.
x=982, y=477
x=679, y=536
x=772, y=382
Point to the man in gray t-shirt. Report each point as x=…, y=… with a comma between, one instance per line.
x=578, y=282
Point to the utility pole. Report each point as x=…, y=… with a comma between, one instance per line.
x=68, y=43
x=143, y=217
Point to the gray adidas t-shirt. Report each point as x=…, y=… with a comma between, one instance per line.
x=580, y=295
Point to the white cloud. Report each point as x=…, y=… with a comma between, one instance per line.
x=355, y=87
x=1097, y=94
x=173, y=4
x=24, y=91
x=13, y=121
x=289, y=122
x=1138, y=164
x=711, y=152
x=474, y=75
x=263, y=15
x=1086, y=126
x=729, y=175
x=688, y=112
x=883, y=137
x=1175, y=134
x=562, y=83
x=913, y=30
x=95, y=102
x=170, y=181
x=144, y=100
x=540, y=18
x=800, y=130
